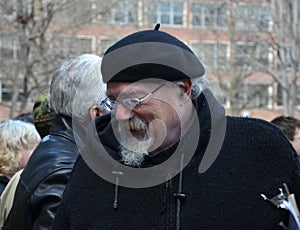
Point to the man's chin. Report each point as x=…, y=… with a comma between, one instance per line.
x=133, y=157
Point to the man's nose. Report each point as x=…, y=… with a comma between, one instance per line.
x=122, y=113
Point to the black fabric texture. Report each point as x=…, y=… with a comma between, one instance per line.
x=255, y=158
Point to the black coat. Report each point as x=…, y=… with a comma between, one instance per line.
x=255, y=158
x=3, y=182
x=44, y=178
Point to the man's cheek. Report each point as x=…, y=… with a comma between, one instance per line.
x=159, y=133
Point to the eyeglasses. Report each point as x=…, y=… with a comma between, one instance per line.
x=128, y=103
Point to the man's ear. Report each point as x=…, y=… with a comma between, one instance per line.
x=185, y=87
x=95, y=111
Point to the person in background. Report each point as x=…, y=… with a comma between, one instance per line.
x=18, y=140
x=291, y=128
x=76, y=91
x=42, y=114
x=42, y=117
x=167, y=157
x=26, y=117
x=7, y=197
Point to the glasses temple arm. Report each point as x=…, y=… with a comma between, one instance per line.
x=150, y=94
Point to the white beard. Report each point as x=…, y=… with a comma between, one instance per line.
x=132, y=149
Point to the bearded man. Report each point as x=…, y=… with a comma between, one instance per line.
x=167, y=157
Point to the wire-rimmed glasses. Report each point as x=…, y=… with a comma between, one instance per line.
x=128, y=103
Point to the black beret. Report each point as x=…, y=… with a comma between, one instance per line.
x=150, y=54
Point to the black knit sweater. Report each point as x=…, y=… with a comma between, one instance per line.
x=255, y=158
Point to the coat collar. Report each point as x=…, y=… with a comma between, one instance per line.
x=62, y=126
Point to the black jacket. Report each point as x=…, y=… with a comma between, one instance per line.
x=44, y=178
x=255, y=158
x=3, y=182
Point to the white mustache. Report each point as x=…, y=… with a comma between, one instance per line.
x=132, y=149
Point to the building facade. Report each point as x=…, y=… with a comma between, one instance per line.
x=232, y=38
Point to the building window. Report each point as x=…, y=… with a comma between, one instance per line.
x=104, y=44
x=75, y=11
x=283, y=59
x=73, y=46
x=121, y=12
x=166, y=13
x=9, y=47
x=239, y=57
x=84, y=45
x=298, y=96
x=253, y=17
x=279, y=96
x=212, y=55
x=254, y=96
x=245, y=54
x=261, y=54
x=208, y=15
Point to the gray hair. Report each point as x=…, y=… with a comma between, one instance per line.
x=199, y=84
x=76, y=86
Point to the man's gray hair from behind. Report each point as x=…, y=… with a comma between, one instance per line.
x=76, y=86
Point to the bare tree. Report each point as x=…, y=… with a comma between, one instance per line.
x=285, y=43
x=26, y=26
x=37, y=31
x=238, y=70
x=263, y=38
x=246, y=22
x=227, y=50
x=281, y=43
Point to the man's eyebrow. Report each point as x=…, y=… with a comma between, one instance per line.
x=133, y=93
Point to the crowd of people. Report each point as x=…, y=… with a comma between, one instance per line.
x=137, y=140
